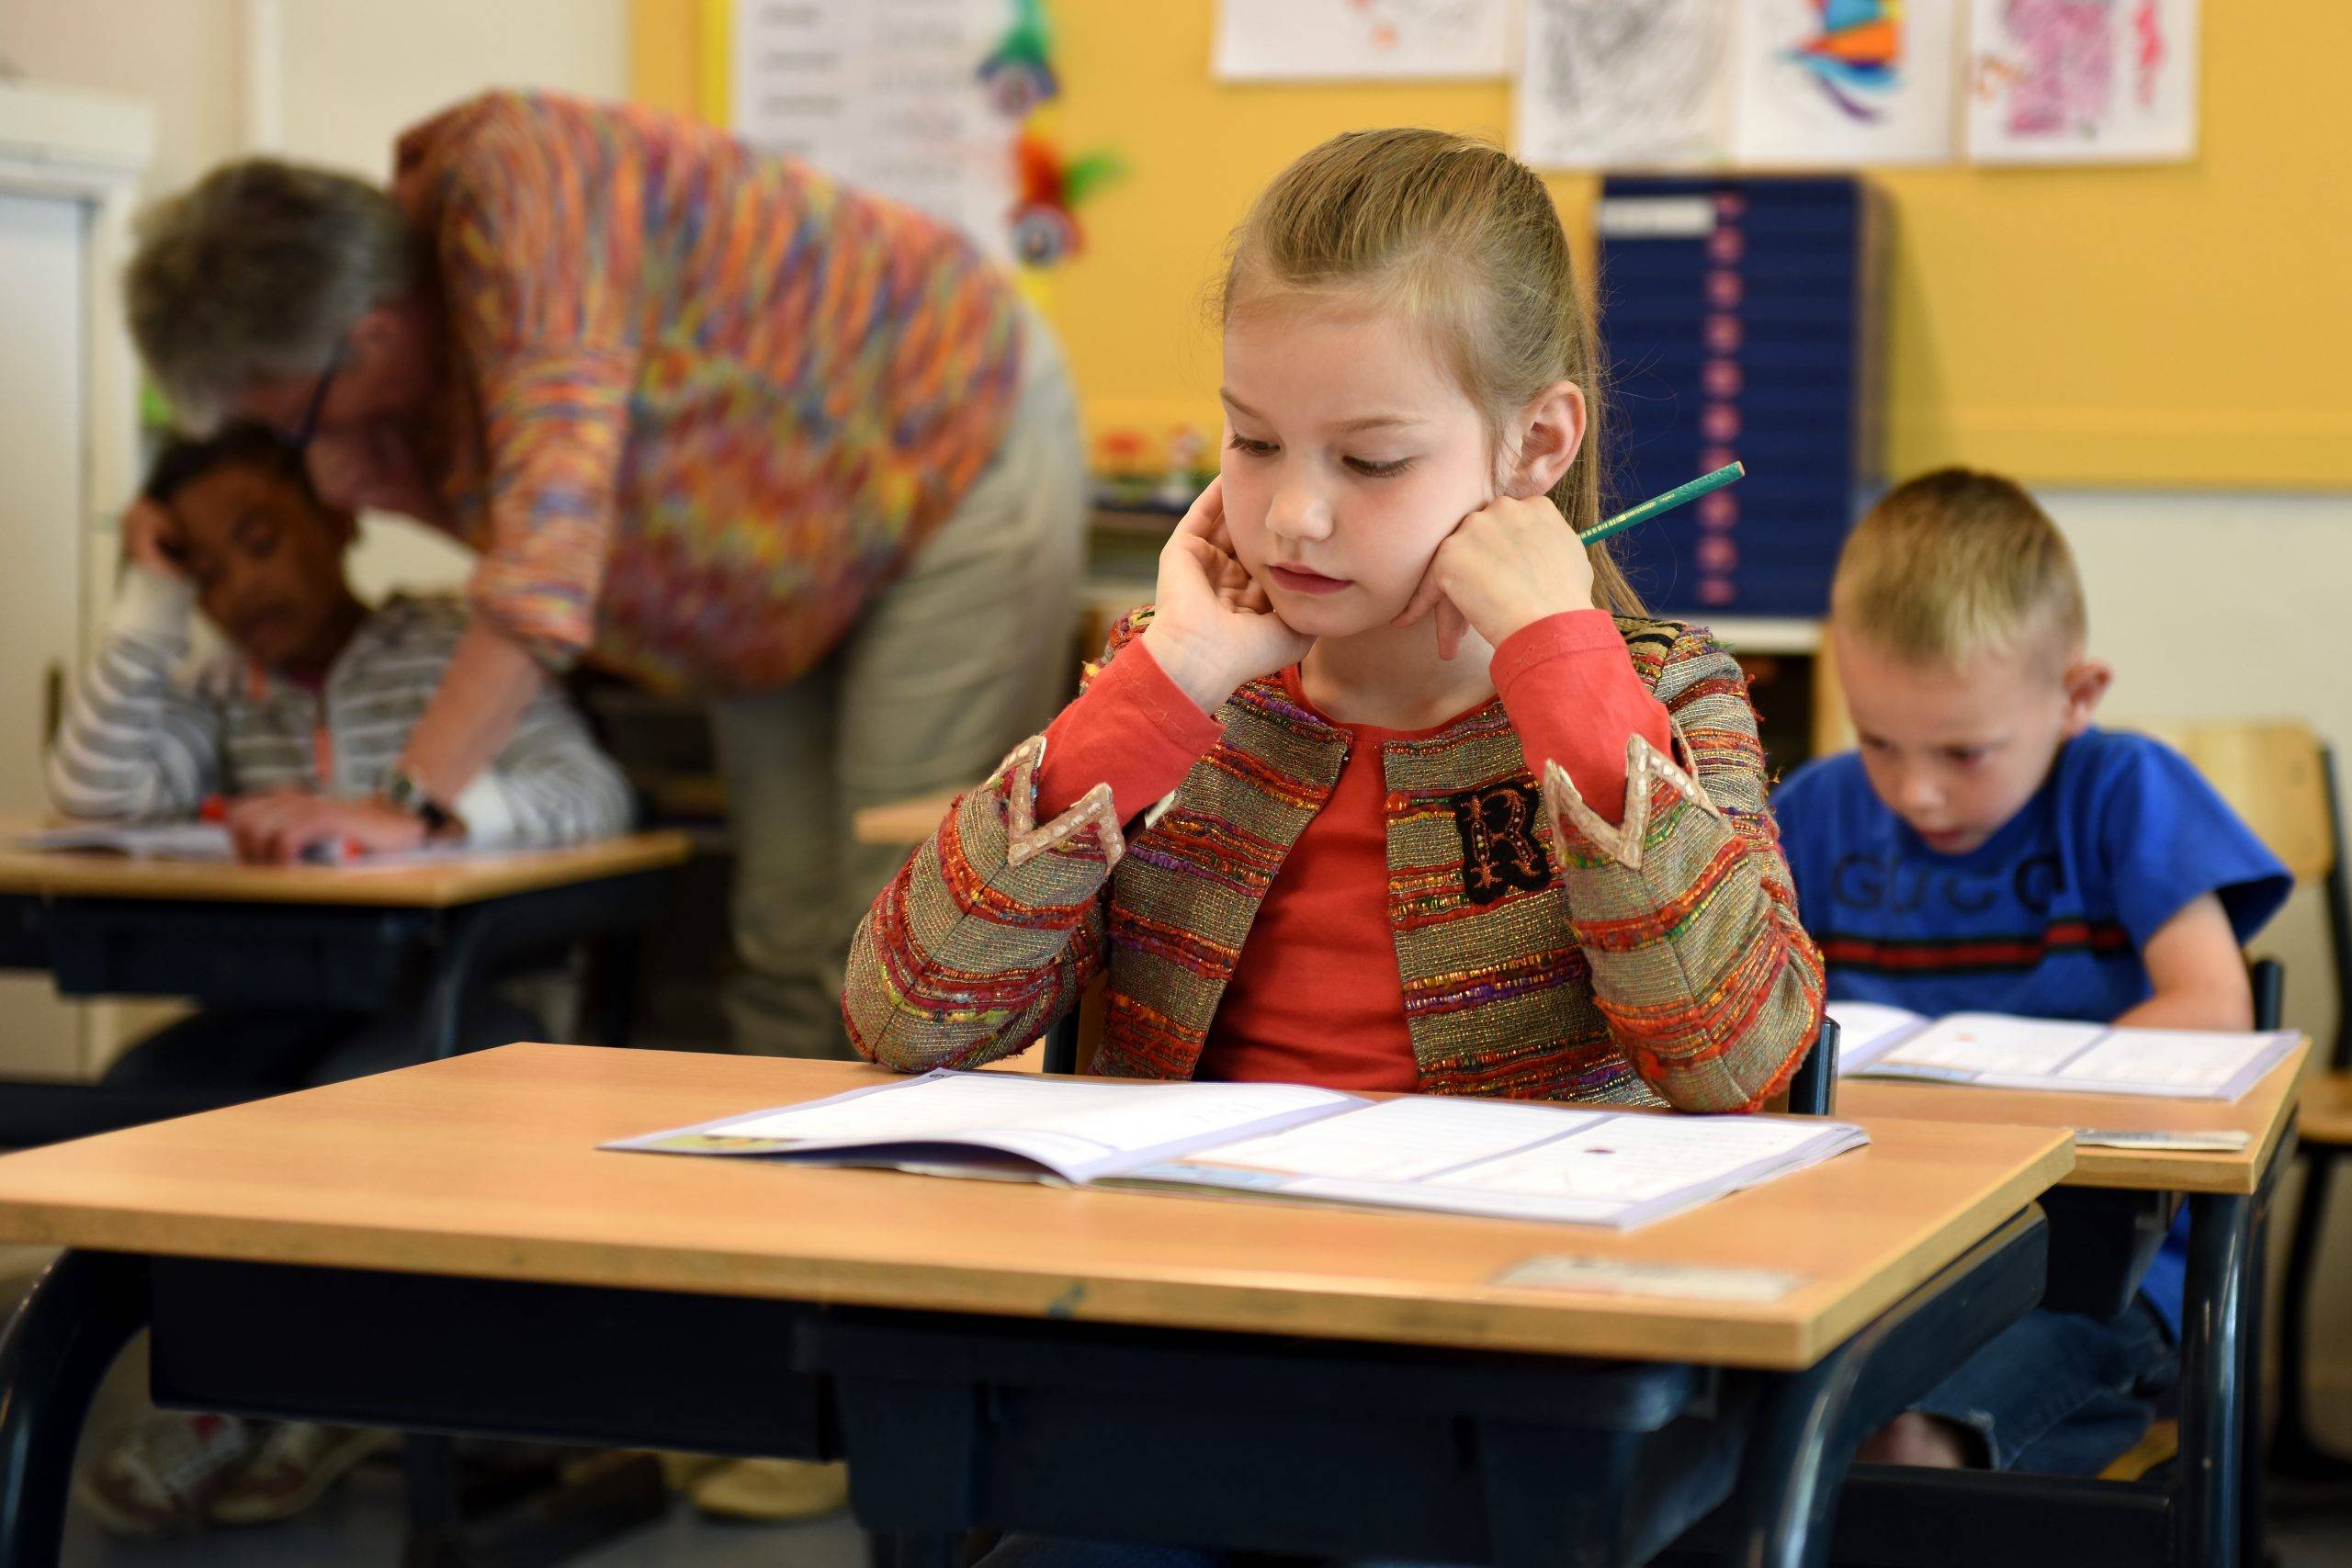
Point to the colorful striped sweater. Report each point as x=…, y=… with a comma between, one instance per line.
x=1655, y=960
x=702, y=401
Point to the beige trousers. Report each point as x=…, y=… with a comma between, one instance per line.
x=951, y=667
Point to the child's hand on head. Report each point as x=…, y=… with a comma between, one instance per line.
x=1212, y=627
x=1506, y=566
x=150, y=540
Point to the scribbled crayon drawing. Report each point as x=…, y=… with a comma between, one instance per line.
x=2065, y=80
x=1632, y=82
x=2066, y=51
x=1856, y=57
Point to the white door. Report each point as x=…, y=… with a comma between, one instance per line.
x=43, y=515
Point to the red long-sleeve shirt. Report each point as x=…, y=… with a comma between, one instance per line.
x=1316, y=997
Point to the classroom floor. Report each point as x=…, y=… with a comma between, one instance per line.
x=359, y=1526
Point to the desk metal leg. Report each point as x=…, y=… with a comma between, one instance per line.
x=2213, y=1398
x=619, y=957
x=2254, y=1430
x=456, y=966
x=63, y=1336
x=2295, y=1448
x=1810, y=1424
x=475, y=939
x=430, y=1462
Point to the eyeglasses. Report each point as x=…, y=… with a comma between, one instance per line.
x=317, y=405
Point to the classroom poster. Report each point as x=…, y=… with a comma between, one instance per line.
x=1846, y=81
x=1614, y=84
x=1303, y=40
x=2082, y=81
x=887, y=96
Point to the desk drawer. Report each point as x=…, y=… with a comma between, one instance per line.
x=552, y=1363
x=1270, y=1445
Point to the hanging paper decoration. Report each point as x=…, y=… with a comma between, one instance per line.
x=1021, y=81
x=1044, y=224
x=1019, y=73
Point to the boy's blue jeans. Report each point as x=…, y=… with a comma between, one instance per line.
x=2059, y=1393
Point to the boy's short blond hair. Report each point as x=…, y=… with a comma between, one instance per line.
x=1956, y=563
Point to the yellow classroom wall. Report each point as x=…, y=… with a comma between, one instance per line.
x=2178, y=326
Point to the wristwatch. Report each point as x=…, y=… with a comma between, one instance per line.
x=400, y=791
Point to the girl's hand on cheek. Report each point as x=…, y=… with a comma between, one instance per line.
x=1212, y=625
x=1506, y=566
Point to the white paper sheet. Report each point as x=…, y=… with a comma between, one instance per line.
x=1855, y=82
x=1274, y=41
x=1400, y=1140
x=143, y=840
x=2168, y=1058
x=1987, y=1042
x=1564, y=1163
x=1634, y=1159
x=2082, y=81
x=1866, y=1029
x=1624, y=83
x=887, y=95
x=1999, y=1052
x=208, y=842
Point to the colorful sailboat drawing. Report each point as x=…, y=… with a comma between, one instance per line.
x=1856, y=56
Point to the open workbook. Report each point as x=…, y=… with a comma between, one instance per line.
x=1997, y=1051
x=210, y=843
x=1508, y=1160
x=143, y=840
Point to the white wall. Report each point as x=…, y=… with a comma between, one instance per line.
x=185, y=57
x=328, y=82
x=359, y=74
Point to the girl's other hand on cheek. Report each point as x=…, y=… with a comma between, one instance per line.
x=1506, y=566
x=1212, y=627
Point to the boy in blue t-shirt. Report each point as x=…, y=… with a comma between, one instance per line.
x=1986, y=850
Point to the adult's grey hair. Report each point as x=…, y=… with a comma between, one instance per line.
x=255, y=272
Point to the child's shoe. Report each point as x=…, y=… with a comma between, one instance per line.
x=293, y=1468
x=771, y=1490
x=162, y=1474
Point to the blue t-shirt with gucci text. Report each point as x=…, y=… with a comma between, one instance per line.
x=2048, y=916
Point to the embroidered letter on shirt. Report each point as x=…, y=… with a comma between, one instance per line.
x=1500, y=850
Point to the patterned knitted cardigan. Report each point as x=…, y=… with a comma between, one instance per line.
x=1544, y=952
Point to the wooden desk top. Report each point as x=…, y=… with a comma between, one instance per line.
x=907, y=822
x=2263, y=1111
x=431, y=884
x=486, y=1166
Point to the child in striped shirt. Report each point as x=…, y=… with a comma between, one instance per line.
x=296, y=725
x=300, y=722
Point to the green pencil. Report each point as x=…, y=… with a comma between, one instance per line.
x=1666, y=503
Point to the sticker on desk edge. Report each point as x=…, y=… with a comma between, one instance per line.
x=1618, y=1277
x=2220, y=1140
